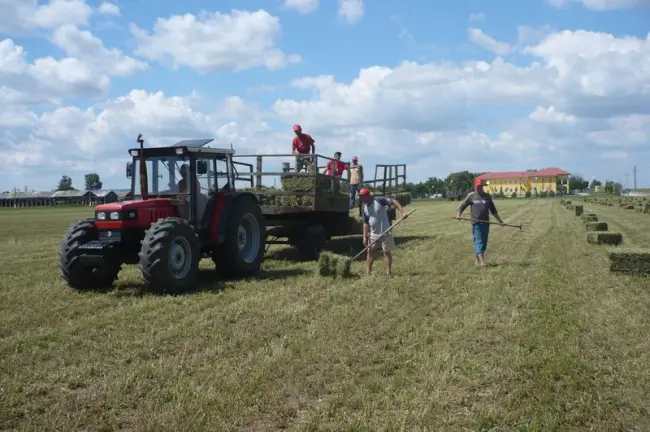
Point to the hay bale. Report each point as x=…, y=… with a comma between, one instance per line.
x=591, y=217
x=646, y=208
x=404, y=198
x=343, y=268
x=630, y=261
x=568, y=202
x=596, y=226
x=605, y=238
x=326, y=265
x=330, y=265
x=579, y=210
x=629, y=207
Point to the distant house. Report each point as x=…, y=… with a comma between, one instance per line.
x=520, y=182
x=73, y=197
x=105, y=196
x=123, y=194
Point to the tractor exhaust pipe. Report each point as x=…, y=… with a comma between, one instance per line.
x=144, y=182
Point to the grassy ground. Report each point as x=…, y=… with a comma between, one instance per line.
x=544, y=339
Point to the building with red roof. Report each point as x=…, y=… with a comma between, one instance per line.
x=520, y=182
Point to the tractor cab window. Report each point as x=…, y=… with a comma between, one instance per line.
x=165, y=176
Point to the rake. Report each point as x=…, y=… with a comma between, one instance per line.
x=330, y=264
x=520, y=226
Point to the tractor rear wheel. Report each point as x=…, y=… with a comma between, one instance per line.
x=170, y=255
x=243, y=251
x=73, y=271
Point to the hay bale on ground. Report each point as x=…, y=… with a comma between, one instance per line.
x=630, y=261
x=591, y=217
x=579, y=210
x=605, y=238
x=646, y=208
x=629, y=207
x=596, y=226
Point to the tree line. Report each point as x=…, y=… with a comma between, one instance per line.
x=92, y=182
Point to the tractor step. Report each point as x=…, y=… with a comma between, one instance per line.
x=95, y=252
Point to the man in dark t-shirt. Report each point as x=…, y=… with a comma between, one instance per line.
x=482, y=205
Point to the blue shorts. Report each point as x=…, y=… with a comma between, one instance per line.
x=480, y=232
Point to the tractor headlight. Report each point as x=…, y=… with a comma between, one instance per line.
x=115, y=215
x=101, y=216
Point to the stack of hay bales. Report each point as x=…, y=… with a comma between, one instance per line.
x=630, y=261
x=646, y=208
x=605, y=238
x=579, y=210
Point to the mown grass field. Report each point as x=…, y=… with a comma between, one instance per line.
x=544, y=339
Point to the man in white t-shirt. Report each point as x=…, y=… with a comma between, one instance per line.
x=375, y=222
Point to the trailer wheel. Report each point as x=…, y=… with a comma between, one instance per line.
x=243, y=251
x=74, y=273
x=310, y=242
x=170, y=255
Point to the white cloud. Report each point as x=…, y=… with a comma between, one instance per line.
x=351, y=10
x=478, y=37
x=302, y=6
x=476, y=17
x=83, y=45
x=45, y=79
x=601, y=5
x=528, y=35
x=107, y=8
x=425, y=115
x=24, y=16
x=215, y=41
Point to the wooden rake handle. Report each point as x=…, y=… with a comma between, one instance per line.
x=489, y=222
x=382, y=234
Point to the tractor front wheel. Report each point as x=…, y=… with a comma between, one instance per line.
x=170, y=255
x=243, y=251
x=73, y=271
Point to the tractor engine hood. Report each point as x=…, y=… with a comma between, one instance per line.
x=136, y=213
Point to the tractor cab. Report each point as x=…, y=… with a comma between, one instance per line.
x=184, y=207
x=187, y=174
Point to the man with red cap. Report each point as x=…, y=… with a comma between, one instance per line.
x=375, y=222
x=302, y=144
x=356, y=179
x=482, y=205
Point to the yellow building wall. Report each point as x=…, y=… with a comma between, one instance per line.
x=524, y=184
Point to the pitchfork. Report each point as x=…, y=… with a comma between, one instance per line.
x=489, y=222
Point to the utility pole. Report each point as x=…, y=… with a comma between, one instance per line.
x=634, y=178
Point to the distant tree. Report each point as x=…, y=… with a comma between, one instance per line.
x=577, y=183
x=93, y=182
x=65, y=184
x=595, y=183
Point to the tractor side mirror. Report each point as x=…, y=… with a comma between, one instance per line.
x=201, y=167
x=129, y=169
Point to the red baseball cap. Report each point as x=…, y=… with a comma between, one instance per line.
x=296, y=127
x=364, y=192
x=478, y=182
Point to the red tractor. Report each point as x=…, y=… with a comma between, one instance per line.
x=169, y=230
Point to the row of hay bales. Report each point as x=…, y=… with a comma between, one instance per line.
x=622, y=260
x=638, y=204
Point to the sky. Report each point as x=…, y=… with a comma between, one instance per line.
x=440, y=86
